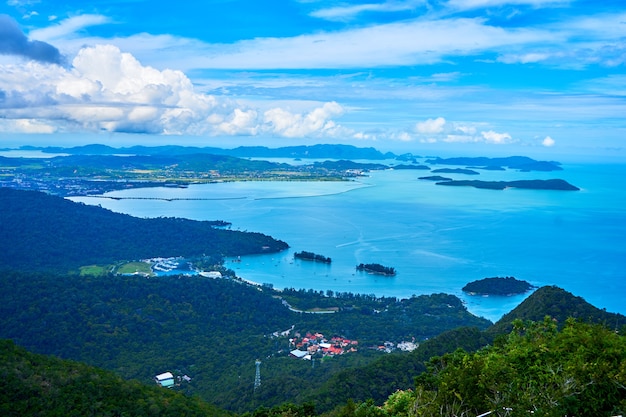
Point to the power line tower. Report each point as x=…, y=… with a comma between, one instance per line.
x=257, y=376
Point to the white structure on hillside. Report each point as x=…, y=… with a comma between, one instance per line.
x=165, y=379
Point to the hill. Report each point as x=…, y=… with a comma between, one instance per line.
x=40, y=385
x=380, y=379
x=336, y=151
x=559, y=304
x=521, y=163
x=210, y=329
x=41, y=231
x=537, y=369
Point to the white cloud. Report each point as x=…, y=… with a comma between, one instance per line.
x=548, y=141
x=476, y=4
x=316, y=122
x=343, y=13
x=401, y=43
x=431, y=126
x=25, y=126
x=68, y=28
x=496, y=138
x=106, y=89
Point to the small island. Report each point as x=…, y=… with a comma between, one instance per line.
x=377, y=269
x=455, y=171
x=435, y=178
x=310, y=256
x=554, y=184
x=497, y=286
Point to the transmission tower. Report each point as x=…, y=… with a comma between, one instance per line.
x=257, y=376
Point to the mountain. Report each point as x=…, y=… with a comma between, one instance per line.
x=560, y=305
x=320, y=151
x=380, y=379
x=41, y=231
x=40, y=385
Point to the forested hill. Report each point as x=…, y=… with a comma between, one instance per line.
x=559, y=304
x=41, y=231
x=38, y=385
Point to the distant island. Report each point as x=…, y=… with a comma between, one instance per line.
x=435, y=178
x=455, y=171
x=498, y=286
x=554, y=184
x=310, y=256
x=376, y=269
x=521, y=163
x=404, y=166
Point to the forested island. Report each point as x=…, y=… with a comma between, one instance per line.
x=435, y=178
x=521, y=163
x=310, y=256
x=498, y=286
x=553, y=184
x=376, y=269
x=455, y=171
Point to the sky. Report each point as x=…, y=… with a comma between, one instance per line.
x=540, y=77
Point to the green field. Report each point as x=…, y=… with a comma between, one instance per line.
x=123, y=268
x=135, y=268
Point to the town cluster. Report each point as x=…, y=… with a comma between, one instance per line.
x=316, y=344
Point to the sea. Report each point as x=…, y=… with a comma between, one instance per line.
x=438, y=238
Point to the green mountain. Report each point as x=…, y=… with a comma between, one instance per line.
x=40, y=385
x=560, y=305
x=380, y=379
x=40, y=232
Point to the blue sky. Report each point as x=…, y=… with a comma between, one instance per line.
x=473, y=76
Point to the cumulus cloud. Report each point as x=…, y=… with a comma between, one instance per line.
x=14, y=42
x=107, y=89
x=316, y=122
x=496, y=138
x=548, y=141
x=431, y=126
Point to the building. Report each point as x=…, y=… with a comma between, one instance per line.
x=165, y=379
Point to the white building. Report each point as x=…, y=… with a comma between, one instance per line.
x=165, y=379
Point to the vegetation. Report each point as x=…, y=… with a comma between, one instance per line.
x=435, y=178
x=521, y=163
x=210, y=329
x=553, y=184
x=39, y=385
x=498, y=286
x=455, y=171
x=560, y=304
x=310, y=256
x=97, y=169
x=41, y=231
x=535, y=370
x=376, y=269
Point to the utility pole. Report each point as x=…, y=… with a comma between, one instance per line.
x=257, y=376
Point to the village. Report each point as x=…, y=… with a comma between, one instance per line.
x=313, y=345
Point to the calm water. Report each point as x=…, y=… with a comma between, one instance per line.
x=438, y=238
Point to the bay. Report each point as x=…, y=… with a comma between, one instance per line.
x=438, y=238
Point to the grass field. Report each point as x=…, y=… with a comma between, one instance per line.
x=124, y=268
x=135, y=268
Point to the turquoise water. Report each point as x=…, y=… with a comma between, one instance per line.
x=437, y=238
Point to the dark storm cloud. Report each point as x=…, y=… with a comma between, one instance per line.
x=14, y=42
